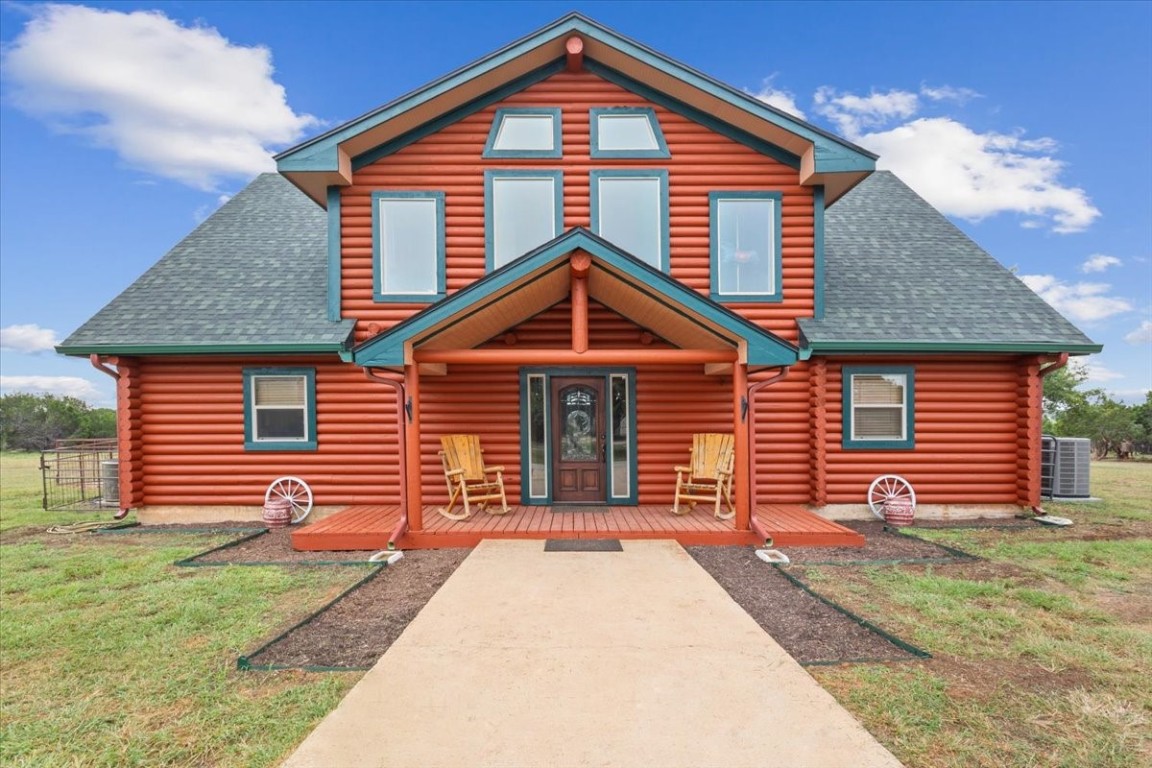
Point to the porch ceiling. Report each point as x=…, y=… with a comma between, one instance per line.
x=540, y=279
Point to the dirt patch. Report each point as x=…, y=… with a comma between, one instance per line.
x=808, y=628
x=986, y=677
x=356, y=631
x=881, y=545
x=275, y=546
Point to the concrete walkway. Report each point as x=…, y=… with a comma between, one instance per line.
x=633, y=658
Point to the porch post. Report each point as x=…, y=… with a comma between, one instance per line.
x=412, y=448
x=580, y=263
x=741, y=474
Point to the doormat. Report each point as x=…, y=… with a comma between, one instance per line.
x=583, y=545
x=564, y=508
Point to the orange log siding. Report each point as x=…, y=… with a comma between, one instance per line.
x=450, y=161
x=190, y=449
x=970, y=415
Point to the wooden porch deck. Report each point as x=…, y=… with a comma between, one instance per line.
x=368, y=527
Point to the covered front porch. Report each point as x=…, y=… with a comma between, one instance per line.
x=380, y=527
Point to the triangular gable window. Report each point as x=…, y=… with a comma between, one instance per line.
x=627, y=132
x=525, y=132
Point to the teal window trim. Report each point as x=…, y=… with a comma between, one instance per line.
x=634, y=173
x=594, y=124
x=378, y=258
x=334, y=253
x=548, y=373
x=489, y=203
x=818, y=252
x=714, y=199
x=250, y=441
x=850, y=443
x=557, y=134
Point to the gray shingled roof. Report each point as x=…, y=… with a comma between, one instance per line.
x=899, y=274
x=254, y=274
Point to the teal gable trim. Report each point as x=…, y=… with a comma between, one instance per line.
x=596, y=113
x=472, y=107
x=490, y=202
x=832, y=153
x=714, y=200
x=703, y=118
x=378, y=258
x=634, y=173
x=818, y=252
x=333, y=253
x=557, y=133
x=764, y=349
x=909, y=441
x=250, y=441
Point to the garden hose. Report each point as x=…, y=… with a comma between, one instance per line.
x=85, y=527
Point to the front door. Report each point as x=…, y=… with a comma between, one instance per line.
x=578, y=439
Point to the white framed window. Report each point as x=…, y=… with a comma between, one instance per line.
x=745, y=245
x=630, y=210
x=280, y=409
x=525, y=132
x=408, y=244
x=878, y=407
x=522, y=210
x=626, y=132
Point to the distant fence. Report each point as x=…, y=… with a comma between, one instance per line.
x=81, y=474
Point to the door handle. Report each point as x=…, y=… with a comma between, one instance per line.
x=603, y=446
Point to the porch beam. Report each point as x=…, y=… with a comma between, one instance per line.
x=413, y=480
x=581, y=262
x=569, y=357
x=742, y=477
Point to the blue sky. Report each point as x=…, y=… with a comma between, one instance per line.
x=123, y=125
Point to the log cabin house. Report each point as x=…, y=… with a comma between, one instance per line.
x=576, y=224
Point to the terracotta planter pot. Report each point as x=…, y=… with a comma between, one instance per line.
x=277, y=513
x=898, y=512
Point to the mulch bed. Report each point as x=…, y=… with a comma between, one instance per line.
x=812, y=631
x=275, y=546
x=881, y=545
x=355, y=632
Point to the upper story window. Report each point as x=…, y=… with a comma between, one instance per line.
x=627, y=132
x=279, y=409
x=522, y=210
x=525, y=132
x=408, y=241
x=878, y=407
x=745, y=245
x=630, y=209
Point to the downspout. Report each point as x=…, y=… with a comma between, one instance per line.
x=753, y=389
x=103, y=367
x=398, y=385
x=1046, y=370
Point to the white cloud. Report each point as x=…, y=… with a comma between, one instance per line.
x=1077, y=301
x=68, y=386
x=1141, y=335
x=180, y=102
x=778, y=97
x=961, y=171
x=28, y=338
x=975, y=175
x=852, y=114
x=1098, y=262
x=1099, y=374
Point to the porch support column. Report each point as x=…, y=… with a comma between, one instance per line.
x=412, y=448
x=580, y=263
x=742, y=479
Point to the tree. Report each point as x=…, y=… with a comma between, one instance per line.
x=1061, y=393
x=1106, y=421
x=35, y=422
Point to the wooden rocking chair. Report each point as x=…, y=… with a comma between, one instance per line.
x=710, y=475
x=467, y=477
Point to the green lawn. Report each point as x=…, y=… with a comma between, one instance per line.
x=109, y=655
